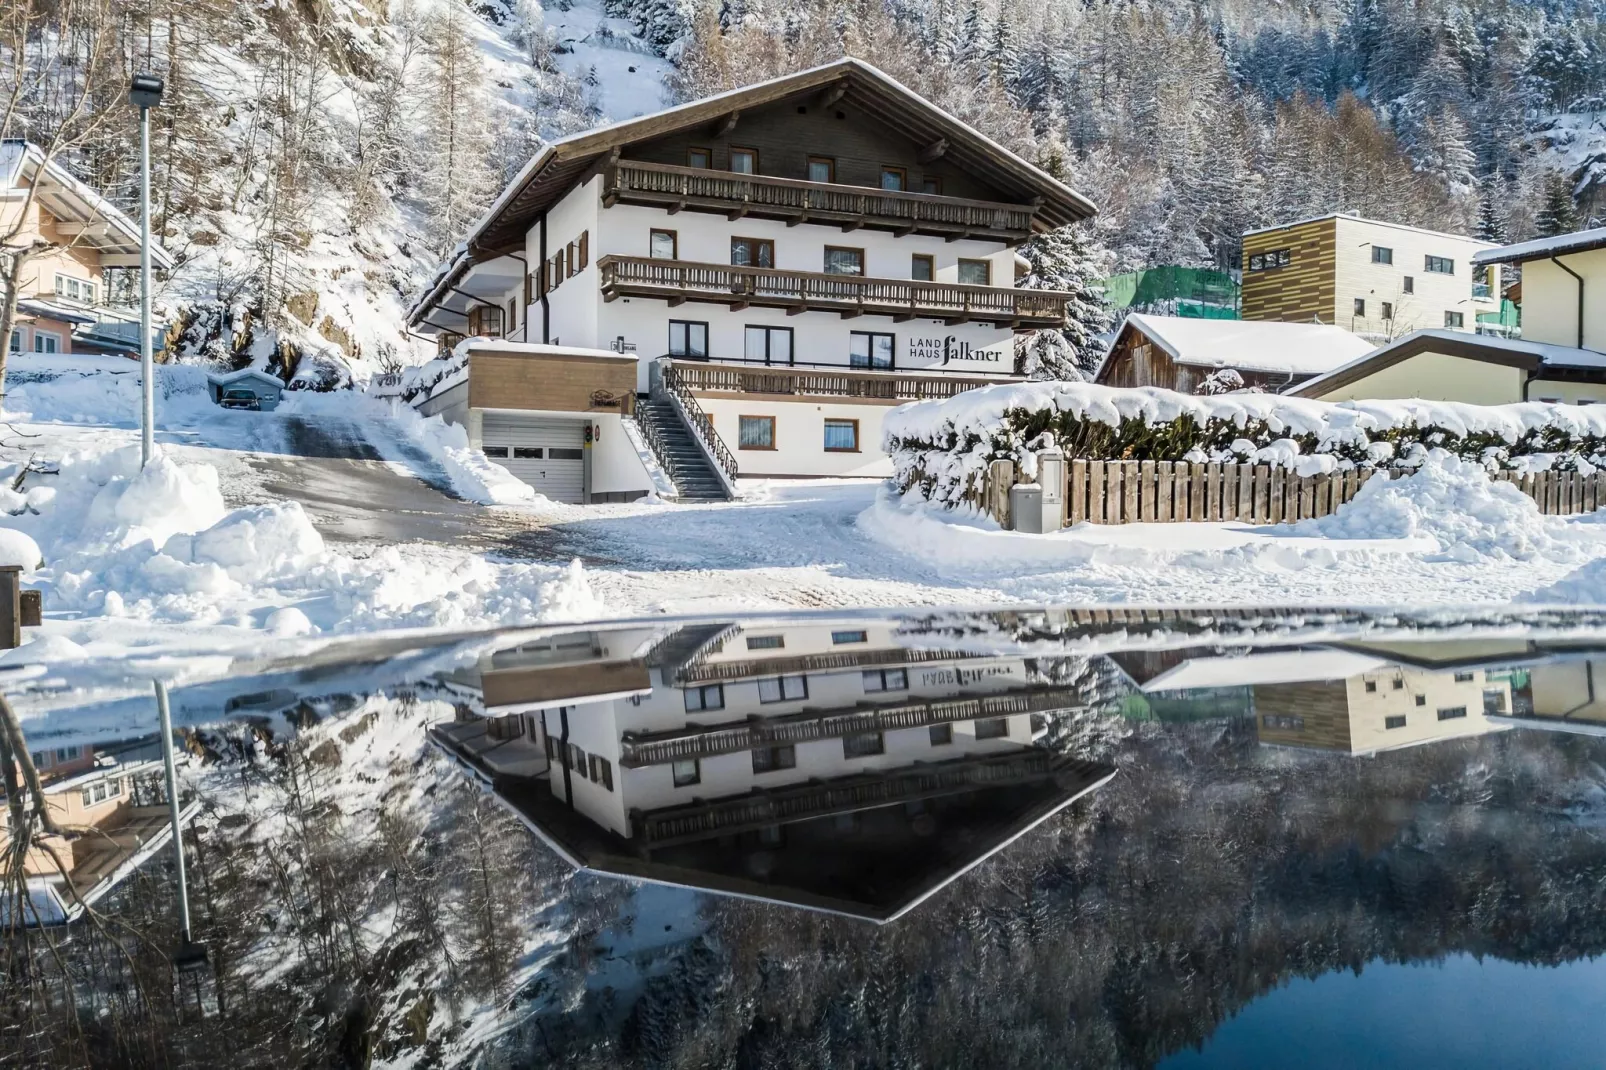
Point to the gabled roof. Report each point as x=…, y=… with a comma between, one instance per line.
x=1248, y=345
x=561, y=163
x=1580, y=241
x=242, y=374
x=105, y=227
x=1490, y=349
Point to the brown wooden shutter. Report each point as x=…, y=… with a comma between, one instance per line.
x=585, y=249
x=529, y=288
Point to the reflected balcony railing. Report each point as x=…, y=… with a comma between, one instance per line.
x=827, y=380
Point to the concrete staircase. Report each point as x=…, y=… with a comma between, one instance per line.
x=679, y=453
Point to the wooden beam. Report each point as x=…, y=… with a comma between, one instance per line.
x=677, y=207
x=727, y=124
x=610, y=295
x=737, y=306
x=849, y=228
x=954, y=321
x=796, y=310
x=904, y=231
x=801, y=217
x=677, y=300
x=903, y=317
x=836, y=92
x=956, y=235
x=736, y=213
x=934, y=151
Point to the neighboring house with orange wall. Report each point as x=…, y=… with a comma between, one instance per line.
x=63, y=302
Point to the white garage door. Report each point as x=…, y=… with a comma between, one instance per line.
x=545, y=453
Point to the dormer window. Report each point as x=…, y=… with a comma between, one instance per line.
x=75, y=289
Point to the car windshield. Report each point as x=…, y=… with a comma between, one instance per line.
x=1279, y=818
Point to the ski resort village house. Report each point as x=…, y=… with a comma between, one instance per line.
x=63, y=303
x=826, y=765
x=768, y=271
x=1380, y=280
x=1202, y=356
x=1561, y=356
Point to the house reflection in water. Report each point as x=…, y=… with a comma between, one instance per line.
x=822, y=765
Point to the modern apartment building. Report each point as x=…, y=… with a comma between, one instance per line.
x=63, y=301
x=827, y=765
x=777, y=266
x=1379, y=280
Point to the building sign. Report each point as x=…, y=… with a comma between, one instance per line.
x=956, y=676
x=948, y=350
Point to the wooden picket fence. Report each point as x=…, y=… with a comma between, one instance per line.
x=1164, y=492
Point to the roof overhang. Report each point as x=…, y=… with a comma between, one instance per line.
x=463, y=285
x=86, y=217
x=1483, y=348
x=1582, y=241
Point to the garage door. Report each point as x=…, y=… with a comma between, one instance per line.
x=547, y=454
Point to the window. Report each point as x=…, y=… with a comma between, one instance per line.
x=699, y=158
x=1480, y=280
x=16, y=340
x=1264, y=261
x=976, y=272
x=894, y=178
x=1408, y=284
x=485, y=321
x=752, y=252
x=1394, y=722
x=863, y=745
x=843, y=261
x=770, y=759
x=841, y=436
x=1360, y=306
x=1371, y=686
x=75, y=289
x=992, y=728
x=765, y=642
x=1453, y=320
x=1494, y=700
x=783, y=689
x=1464, y=677
x=931, y=184
x=1282, y=722
x=528, y=453
x=1382, y=254
x=744, y=161
x=768, y=345
x=885, y=680
x=686, y=773
x=1397, y=684
x=942, y=734
x=664, y=245
x=577, y=759
x=869, y=350
x=1421, y=700
x=1452, y=712
x=755, y=432
x=565, y=453
x=704, y=698
x=1388, y=310
x=688, y=338
x=855, y=636
x=44, y=342
x=1438, y=265
x=548, y=740
x=922, y=267
x=822, y=169
x=602, y=771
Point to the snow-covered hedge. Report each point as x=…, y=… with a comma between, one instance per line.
x=942, y=447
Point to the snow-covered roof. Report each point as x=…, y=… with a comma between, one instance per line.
x=1580, y=241
x=106, y=227
x=536, y=349
x=50, y=310
x=1250, y=345
x=1517, y=352
x=225, y=378
x=1279, y=667
x=1352, y=217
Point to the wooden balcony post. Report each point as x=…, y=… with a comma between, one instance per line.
x=10, y=606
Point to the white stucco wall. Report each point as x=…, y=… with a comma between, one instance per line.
x=574, y=304
x=1550, y=300
x=1437, y=377
x=800, y=437
x=1567, y=392
x=615, y=465
x=1356, y=276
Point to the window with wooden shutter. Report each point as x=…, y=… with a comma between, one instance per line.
x=585, y=249
x=570, y=254
x=529, y=288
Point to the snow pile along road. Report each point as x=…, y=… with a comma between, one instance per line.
x=1454, y=502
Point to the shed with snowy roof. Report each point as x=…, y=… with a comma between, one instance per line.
x=247, y=388
x=1199, y=356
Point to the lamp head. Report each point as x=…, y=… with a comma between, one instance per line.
x=145, y=91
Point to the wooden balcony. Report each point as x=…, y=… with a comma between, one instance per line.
x=800, y=802
x=678, y=281
x=893, y=386
x=705, y=671
x=850, y=207
x=661, y=748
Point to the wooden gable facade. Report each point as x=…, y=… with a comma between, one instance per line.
x=1137, y=359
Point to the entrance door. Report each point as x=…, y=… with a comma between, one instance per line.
x=547, y=454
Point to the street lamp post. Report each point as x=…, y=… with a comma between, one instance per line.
x=145, y=93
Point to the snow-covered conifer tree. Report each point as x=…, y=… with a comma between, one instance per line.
x=1063, y=259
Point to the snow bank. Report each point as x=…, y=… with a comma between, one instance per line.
x=474, y=477
x=60, y=388
x=1456, y=504
x=942, y=447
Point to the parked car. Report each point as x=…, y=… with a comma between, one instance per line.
x=240, y=399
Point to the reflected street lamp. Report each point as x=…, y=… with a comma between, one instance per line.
x=145, y=93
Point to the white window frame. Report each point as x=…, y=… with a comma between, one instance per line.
x=88, y=285
x=55, y=339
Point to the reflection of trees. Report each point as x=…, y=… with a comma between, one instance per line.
x=1208, y=872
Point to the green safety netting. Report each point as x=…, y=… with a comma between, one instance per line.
x=1181, y=291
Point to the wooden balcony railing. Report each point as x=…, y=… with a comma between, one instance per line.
x=738, y=195
x=894, y=386
x=799, y=802
x=809, y=291
x=753, y=668
x=663, y=748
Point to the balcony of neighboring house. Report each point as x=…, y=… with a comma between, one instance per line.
x=850, y=295
x=743, y=379
x=736, y=194
x=706, y=741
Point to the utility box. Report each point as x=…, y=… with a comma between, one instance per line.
x=1039, y=508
